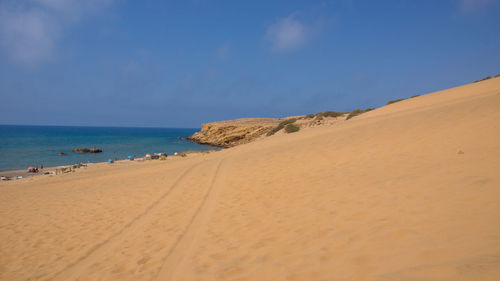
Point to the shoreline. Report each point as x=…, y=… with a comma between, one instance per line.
x=11, y=175
x=36, y=145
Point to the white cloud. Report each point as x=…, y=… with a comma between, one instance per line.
x=287, y=34
x=29, y=31
x=473, y=5
x=27, y=37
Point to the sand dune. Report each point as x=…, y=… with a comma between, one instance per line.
x=410, y=191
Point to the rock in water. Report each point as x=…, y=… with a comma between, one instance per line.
x=86, y=150
x=95, y=150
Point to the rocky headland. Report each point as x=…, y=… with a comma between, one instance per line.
x=235, y=132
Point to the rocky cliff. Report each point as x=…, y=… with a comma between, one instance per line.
x=234, y=132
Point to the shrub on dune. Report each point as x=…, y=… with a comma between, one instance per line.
x=394, y=101
x=332, y=114
x=487, y=78
x=281, y=126
x=398, y=100
x=357, y=112
x=291, y=128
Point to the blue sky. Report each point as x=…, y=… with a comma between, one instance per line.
x=183, y=63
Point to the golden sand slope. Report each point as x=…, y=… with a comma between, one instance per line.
x=410, y=191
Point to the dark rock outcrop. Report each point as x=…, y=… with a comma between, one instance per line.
x=86, y=150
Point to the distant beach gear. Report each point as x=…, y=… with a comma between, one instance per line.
x=111, y=160
x=130, y=157
x=32, y=170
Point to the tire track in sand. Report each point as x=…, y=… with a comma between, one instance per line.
x=74, y=269
x=174, y=258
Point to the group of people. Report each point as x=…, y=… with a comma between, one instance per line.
x=34, y=169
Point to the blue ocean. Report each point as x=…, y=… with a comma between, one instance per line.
x=24, y=146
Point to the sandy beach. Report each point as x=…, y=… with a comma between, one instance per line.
x=70, y=168
x=409, y=191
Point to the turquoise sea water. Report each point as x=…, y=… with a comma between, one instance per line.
x=24, y=146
